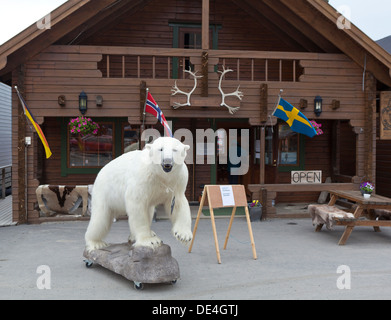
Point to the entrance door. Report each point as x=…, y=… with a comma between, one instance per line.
x=234, y=149
x=271, y=152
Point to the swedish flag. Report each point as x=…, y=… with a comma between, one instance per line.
x=294, y=118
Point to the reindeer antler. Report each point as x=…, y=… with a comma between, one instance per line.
x=236, y=93
x=175, y=90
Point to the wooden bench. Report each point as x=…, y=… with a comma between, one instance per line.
x=324, y=214
x=266, y=193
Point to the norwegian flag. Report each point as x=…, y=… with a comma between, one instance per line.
x=152, y=107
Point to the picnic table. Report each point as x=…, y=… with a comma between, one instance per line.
x=374, y=202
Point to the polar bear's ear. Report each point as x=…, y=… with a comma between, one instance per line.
x=185, y=148
x=149, y=148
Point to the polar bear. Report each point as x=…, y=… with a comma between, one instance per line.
x=135, y=183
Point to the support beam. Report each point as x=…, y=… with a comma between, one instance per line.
x=370, y=128
x=18, y=159
x=205, y=24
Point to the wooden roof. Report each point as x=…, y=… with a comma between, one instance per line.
x=308, y=25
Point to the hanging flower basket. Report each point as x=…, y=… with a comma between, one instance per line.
x=317, y=127
x=83, y=126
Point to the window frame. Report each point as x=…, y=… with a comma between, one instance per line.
x=178, y=27
x=300, y=153
x=117, y=145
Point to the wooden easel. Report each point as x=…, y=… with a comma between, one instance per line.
x=215, y=201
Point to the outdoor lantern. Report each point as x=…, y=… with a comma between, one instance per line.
x=83, y=103
x=318, y=106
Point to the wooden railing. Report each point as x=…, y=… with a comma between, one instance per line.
x=161, y=63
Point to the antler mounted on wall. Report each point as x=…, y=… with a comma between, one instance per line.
x=236, y=93
x=175, y=90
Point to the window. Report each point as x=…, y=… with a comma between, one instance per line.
x=268, y=146
x=88, y=154
x=190, y=39
x=288, y=146
x=189, y=36
x=131, y=138
x=91, y=150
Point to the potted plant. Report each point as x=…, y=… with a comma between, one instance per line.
x=367, y=189
x=83, y=126
x=255, y=209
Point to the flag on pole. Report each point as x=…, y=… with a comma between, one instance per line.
x=152, y=107
x=297, y=121
x=35, y=124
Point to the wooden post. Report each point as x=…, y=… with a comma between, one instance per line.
x=143, y=98
x=205, y=74
x=262, y=156
x=264, y=102
x=19, y=182
x=370, y=128
x=205, y=24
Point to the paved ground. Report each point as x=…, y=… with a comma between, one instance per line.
x=293, y=262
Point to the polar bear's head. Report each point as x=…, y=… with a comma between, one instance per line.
x=167, y=152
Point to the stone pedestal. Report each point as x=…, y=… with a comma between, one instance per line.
x=140, y=264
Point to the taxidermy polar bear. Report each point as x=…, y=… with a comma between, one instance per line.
x=136, y=183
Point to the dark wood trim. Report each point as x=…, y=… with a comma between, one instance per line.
x=19, y=161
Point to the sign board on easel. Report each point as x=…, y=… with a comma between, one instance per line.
x=224, y=197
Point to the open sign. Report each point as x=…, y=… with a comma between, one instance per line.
x=306, y=177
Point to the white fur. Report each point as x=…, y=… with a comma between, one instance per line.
x=135, y=183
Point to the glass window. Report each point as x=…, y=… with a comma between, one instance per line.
x=268, y=146
x=288, y=146
x=91, y=150
x=131, y=137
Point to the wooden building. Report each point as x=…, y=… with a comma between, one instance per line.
x=111, y=50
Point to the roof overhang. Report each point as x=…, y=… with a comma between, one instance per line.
x=34, y=39
x=308, y=17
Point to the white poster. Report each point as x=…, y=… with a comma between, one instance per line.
x=227, y=194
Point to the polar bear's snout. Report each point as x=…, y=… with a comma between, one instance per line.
x=167, y=159
x=167, y=164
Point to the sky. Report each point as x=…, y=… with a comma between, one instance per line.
x=372, y=17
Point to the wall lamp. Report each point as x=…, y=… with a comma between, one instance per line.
x=83, y=98
x=318, y=106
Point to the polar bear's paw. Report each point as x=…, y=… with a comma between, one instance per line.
x=182, y=235
x=95, y=245
x=152, y=242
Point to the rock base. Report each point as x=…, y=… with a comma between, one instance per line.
x=138, y=264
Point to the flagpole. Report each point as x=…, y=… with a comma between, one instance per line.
x=24, y=110
x=144, y=114
x=278, y=101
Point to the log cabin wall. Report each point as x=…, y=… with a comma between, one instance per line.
x=133, y=31
x=104, y=64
